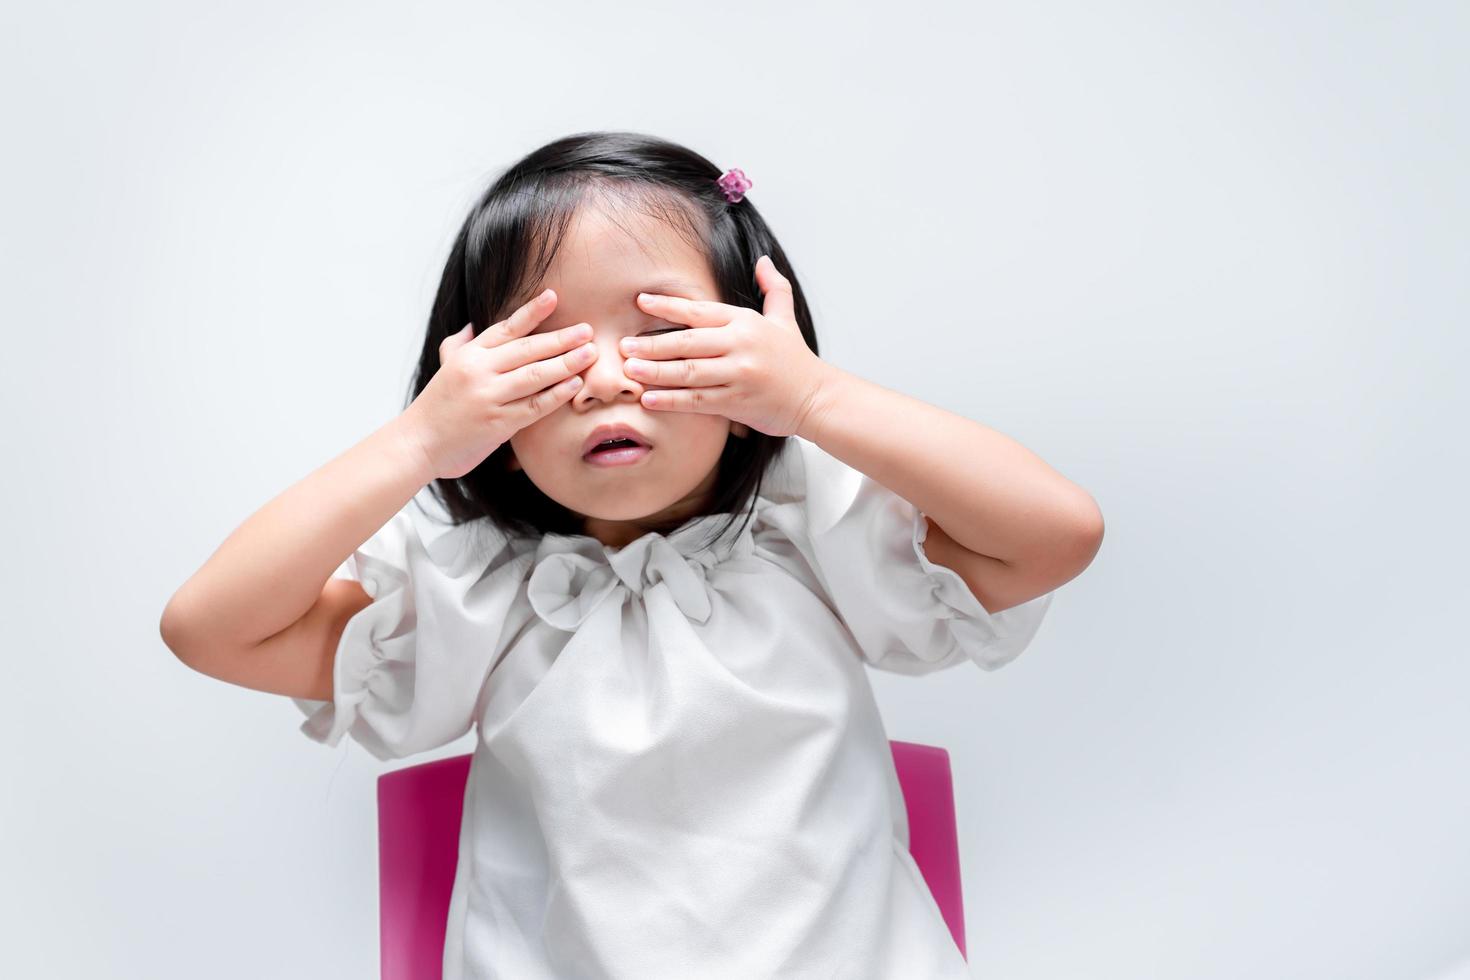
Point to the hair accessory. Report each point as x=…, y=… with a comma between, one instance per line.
x=734, y=183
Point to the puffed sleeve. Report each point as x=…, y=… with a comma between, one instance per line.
x=864, y=543
x=410, y=665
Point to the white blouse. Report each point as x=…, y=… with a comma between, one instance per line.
x=680, y=768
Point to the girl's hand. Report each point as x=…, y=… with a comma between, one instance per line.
x=750, y=367
x=490, y=386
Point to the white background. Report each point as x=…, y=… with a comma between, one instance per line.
x=1209, y=260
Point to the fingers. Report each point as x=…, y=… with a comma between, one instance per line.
x=538, y=347
x=686, y=358
x=779, y=302
x=701, y=372
x=455, y=341
x=521, y=322
x=533, y=377
x=540, y=403
x=707, y=401
x=693, y=312
x=681, y=343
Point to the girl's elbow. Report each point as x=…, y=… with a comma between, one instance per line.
x=172, y=628
x=1088, y=538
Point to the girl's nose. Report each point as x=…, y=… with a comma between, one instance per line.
x=605, y=378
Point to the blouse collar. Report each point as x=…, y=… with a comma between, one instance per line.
x=573, y=574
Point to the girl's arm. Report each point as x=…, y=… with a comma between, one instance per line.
x=1007, y=523
x=263, y=612
x=272, y=570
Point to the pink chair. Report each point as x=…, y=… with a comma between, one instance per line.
x=419, y=809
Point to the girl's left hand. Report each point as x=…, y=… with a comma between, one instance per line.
x=754, y=368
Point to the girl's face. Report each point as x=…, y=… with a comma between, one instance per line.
x=598, y=273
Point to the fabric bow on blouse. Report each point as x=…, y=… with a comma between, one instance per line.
x=574, y=574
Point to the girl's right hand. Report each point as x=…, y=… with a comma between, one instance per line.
x=490, y=386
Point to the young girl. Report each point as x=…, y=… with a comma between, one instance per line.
x=680, y=769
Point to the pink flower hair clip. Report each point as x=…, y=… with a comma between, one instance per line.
x=734, y=183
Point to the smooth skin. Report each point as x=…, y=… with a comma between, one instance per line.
x=263, y=611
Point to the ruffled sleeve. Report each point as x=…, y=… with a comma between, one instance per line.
x=410, y=666
x=864, y=543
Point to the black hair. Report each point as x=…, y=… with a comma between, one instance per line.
x=508, y=242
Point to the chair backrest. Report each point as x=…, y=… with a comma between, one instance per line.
x=419, y=812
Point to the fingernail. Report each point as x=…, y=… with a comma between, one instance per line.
x=630, y=344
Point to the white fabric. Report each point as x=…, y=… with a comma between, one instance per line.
x=680, y=768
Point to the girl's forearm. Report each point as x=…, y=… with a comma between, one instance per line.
x=271, y=569
x=985, y=490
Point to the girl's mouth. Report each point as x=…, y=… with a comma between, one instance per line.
x=621, y=452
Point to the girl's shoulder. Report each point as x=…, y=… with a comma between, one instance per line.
x=863, y=546
x=810, y=487
x=421, y=538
